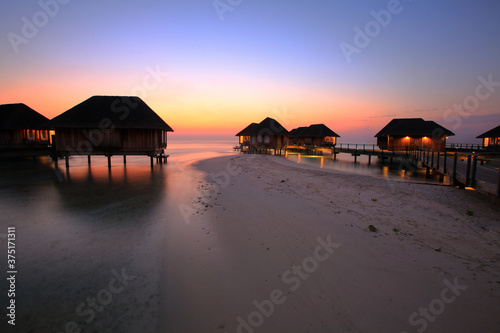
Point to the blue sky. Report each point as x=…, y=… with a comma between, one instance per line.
x=219, y=75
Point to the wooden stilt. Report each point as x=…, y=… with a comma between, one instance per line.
x=467, y=175
x=109, y=161
x=152, y=161
x=455, y=161
x=444, y=162
x=124, y=159
x=473, y=173
x=67, y=160
x=88, y=160
x=498, y=184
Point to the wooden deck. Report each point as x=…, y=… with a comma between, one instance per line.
x=371, y=150
x=465, y=170
x=479, y=170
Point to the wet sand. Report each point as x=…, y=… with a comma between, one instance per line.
x=249, y=253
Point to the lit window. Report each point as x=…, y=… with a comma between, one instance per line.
x=31, y=135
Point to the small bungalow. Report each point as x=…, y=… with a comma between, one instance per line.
x=110, y=125
x=318, y=135
x=245, y=135
x=402, y=133
x=20, y=126
x=491, y=138
x=266, y=135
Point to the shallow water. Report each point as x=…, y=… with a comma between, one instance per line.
x=399, y=169
x=79, y=227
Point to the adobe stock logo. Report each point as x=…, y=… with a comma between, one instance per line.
x=425, y=315
x=30, y=28
x=293, y=278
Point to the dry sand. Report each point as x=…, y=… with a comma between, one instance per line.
x=254, y=258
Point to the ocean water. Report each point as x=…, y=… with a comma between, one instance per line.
x=399, y=169
x=81, y=229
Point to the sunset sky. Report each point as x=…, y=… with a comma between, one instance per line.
x=212, y=67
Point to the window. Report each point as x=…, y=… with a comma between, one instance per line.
x=267, y=139
x=31, y=135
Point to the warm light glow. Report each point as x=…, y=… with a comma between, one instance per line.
x=407, y=138
x=425, y=138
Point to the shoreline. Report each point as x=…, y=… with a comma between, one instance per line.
x=259, y=218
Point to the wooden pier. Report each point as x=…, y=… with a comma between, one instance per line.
x=160, y=157
x=467, y=166
x=464, y=169
x=358, y=149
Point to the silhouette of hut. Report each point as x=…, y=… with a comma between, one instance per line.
x=20, y=128
x=110, y=125
x=491, y=138
x=318, y=135
x=266, y=135
x=401, y=133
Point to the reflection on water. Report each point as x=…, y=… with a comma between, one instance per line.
x=74, y=225
x=123, y=190
x=398, y=169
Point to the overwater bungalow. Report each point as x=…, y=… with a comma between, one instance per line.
x=20, y=131
x=110, y=125
x=399, y=134
x=245, y=135
x=264, y=136
x=314, y=136
x=491, y=138
x=20, y=126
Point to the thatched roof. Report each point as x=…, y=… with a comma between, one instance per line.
x=19, y=116
x=416, y=127
x=492, y=133
x=268, y=126
x=123, y=111
x=247, y=131
x=313, y=131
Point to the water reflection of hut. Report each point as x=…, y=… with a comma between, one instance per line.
x=491, y=138
x=401, y=133
x=119, y=194
x=20, y=132
x=318, y=135
x=264, y=136
x=110, y=125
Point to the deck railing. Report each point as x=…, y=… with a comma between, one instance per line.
x=465, y=170
x=464, y=146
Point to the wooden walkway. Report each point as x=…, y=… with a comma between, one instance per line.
x=465, y=170
x=370, y=150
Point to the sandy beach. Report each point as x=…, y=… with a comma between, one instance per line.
x=266, y=245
